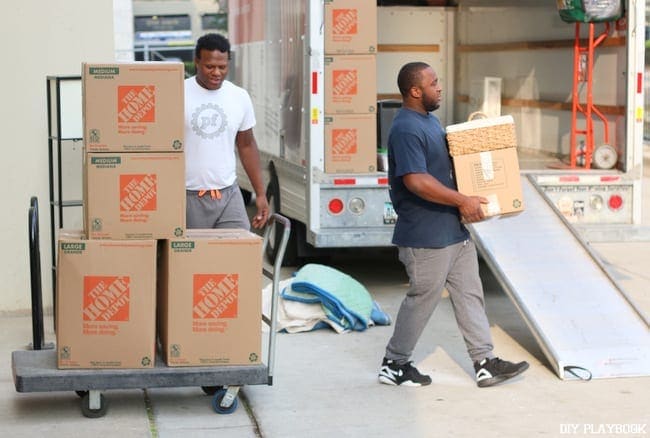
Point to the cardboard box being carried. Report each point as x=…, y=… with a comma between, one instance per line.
x=134, y=196
x=350, y=143
x=105, y=303
x=209, y=298
x=350, y=84
x=350, y=27
x=493, y=175
x=133, y=107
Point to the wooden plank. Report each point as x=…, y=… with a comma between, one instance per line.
x=384, y=96
x=535, y=45
x=408, y=48
x=612, y=110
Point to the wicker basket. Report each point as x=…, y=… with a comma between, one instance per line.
x=481, y=135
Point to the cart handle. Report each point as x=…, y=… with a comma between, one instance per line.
x=35, y=276
x=274, y=275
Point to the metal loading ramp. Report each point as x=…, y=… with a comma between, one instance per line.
x=584, y=322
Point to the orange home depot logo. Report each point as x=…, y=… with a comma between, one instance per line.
x=344, y=82
x=136, y=103
x=106, y=298
x=138, y=192
x=215, y=296
x=344, y=22
x=344, y=141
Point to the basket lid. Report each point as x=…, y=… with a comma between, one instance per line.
x=480, y=123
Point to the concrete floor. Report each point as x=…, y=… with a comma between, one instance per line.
x=325, y=384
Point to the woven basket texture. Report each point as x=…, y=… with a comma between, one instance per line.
x=489, y=138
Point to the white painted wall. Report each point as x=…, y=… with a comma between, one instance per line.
x=39, y=38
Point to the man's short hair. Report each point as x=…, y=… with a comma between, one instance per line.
x=410, y=75
x=212, y=42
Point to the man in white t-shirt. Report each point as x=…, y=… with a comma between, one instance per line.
x=219, y=117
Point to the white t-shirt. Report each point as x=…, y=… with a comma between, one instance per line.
x=212, y=120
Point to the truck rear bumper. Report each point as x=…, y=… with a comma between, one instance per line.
x=351, y=237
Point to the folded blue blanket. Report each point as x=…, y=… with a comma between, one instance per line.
x=344, y=300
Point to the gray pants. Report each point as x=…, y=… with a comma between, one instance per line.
x=227, y=212
x=430, y=271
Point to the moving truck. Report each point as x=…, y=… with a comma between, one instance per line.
x=500, y=57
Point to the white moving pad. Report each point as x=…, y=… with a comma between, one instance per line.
x=579, y=315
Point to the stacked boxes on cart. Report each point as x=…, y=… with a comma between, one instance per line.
x=135, y=273
x=350, y=86
x=484, y=153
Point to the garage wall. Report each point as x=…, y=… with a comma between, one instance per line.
x=39, y=38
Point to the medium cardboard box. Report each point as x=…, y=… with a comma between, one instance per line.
x=134, y=196
x=210, y=299
x=350, y=27
x=105, y=303
x=494, y=175
x=133, y=107
x=351, y=143
x=350, y=84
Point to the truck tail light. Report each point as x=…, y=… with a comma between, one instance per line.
x=615, y=202
x=335, y=206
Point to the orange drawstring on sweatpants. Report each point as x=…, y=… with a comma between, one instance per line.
x=214, y=193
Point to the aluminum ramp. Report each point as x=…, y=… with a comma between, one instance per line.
x=584, y=322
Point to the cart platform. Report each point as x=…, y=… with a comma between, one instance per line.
x=36, y=371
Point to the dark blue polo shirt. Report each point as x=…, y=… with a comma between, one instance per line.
x=417, y=144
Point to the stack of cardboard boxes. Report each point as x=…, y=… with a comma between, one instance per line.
x=134, y=262
x=350, y=86
x=484, y=153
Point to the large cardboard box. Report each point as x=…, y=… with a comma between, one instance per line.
x=350, y=84
x=105, y=303
x=350, y=143
x=134, y=195
x=133, y=107
x=209, y=292
x=494, y=175
x=350, y=27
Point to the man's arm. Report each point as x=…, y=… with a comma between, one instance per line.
x=250, y=159
x=429, y=188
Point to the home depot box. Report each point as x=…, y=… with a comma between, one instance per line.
x=209, y=297
x=133, y=107
x=134, y=195
x=494, y=175
x=350, y=84
x=350, y=143
x=105, y=303
x=350, y=26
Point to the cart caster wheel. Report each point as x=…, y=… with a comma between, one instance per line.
x=81, y=394
x=93, y=413
x=211, y=390
x=216, y=403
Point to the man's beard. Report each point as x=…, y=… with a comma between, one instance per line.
x=432, y=107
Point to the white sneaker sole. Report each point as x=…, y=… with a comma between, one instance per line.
x=387, y=381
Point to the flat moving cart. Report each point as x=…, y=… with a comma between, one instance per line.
x=36, y=370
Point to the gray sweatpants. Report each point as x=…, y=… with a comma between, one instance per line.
x=430, y=271
x=227, y=212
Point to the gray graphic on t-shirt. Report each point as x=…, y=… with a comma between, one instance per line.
x=209, y=121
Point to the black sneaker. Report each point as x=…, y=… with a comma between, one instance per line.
x=492, y=371
x=392, y=373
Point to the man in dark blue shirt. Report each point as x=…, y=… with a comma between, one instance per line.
x=433, y=243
